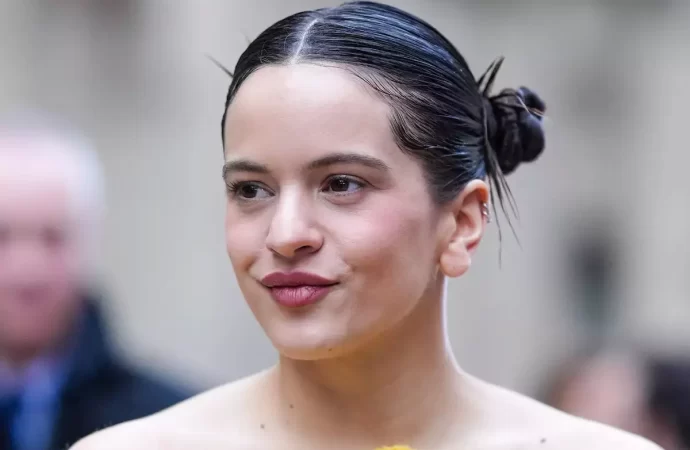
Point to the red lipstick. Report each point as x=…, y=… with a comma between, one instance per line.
x=297, y=289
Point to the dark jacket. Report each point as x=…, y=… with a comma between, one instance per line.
x=101, y=391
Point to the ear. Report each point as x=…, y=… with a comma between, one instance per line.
x=466, y=227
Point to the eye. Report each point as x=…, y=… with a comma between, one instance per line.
x=248, y=190
x=343, y=185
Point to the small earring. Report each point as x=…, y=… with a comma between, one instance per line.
x=486, y=213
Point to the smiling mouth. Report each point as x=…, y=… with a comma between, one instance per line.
x=299, y=296
x=297, y=289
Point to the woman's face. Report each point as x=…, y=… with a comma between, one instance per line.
x=330, y=227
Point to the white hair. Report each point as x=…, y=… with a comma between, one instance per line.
x=73, y=158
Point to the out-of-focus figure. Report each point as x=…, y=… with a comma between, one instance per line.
x=669, y=402
x=645, y=395
x=609, y=388
x=59, y=378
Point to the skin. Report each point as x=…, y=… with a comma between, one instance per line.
x=368, y=365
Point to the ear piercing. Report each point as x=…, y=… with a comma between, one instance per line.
x=486, y=213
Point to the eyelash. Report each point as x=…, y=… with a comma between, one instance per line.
x=348, y=178
x=234, y=187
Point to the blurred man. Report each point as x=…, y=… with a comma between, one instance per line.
x=59, y=379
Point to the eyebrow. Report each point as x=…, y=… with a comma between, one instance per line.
x=244, y=165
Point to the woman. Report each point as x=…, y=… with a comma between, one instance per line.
x=361, y=155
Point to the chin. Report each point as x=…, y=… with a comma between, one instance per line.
x=308, y=354
x=297, y=346
x=325, y=341
x=28, y=344
x=305, y=344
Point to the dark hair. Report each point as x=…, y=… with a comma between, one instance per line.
x=440, y=113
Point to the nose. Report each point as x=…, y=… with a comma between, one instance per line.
x=293, y=232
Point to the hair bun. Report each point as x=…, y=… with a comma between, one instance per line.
x=515, y=128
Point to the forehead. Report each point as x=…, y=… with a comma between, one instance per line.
x=305, y=110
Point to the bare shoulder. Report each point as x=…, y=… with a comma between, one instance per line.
x=600, y=437
x=572, y=433
x=214, y=419
x=150, y=435
x=534, y=426
x=133, y=436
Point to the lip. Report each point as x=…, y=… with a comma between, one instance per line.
x=297, y=289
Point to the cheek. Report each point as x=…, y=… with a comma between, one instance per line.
x=244, y=239
x=391, y=241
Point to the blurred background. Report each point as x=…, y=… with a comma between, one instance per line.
x=601, y=252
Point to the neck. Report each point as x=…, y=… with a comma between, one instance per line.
x=404, y=388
